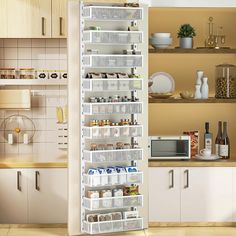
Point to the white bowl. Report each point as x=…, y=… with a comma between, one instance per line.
x=160, y=40
x=160, y=45
x=165, y=35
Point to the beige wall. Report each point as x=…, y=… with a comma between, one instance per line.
x=174, y=118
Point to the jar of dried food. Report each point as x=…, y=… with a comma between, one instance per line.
x=225, y=83
x=11, y=73
x=3, y=73
x=27, y=73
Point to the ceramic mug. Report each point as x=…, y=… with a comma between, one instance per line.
x=205, y=152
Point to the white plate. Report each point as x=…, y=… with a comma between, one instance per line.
x=213, y=157
x=162, y=83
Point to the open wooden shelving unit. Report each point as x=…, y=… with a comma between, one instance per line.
x=194, y=50
x=180, y=100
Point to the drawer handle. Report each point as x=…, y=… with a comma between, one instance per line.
x=19, y=181
x=186, y=172
x=37, y=180
x=60, y=26
x=171, y=173
x=43, y=26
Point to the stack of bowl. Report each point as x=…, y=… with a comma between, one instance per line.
x=161, y=40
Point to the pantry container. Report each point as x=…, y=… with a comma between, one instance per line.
x=8, y=73
x=27, y=73
x=225, y=81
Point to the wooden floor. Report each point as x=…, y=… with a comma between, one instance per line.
x=160, y=231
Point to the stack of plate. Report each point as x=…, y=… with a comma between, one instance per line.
x=161, y=40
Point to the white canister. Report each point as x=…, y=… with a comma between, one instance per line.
x=54, y=75
x=41, y=74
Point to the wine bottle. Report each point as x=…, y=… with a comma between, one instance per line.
x=218, y=138
x=207, y=137
x=224, y=143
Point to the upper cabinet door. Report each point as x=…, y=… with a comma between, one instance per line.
x=3, y=18
x=29, y=18
x=59, y=18
x=207, y=194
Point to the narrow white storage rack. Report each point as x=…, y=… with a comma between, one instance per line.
x=111, y=61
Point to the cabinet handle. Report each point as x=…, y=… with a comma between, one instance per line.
x=171, y=173
x=43, y=26
x=19, y=180
x=60, y=26
x=186, y=172
x=37, y=180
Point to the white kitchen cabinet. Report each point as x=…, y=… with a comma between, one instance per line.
x=28, y=19
x=164, y=194
x=200, y=194
x=206, y=194
x=47, y=195
x=59, y=18
x=234, y=194
x=3, y=17
x=13, y=196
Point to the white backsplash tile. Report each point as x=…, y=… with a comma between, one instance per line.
x=40, y=124
x=51, y=136
x=2, y=148
x=63, y=65
x=10, y=63
x=10, y=43
x=38, y=53
x=38, y=43
x=24, y=53
x=39, y=136
x=53, y=64
x=25, y=43
x=24, y=63
x=25, y=148
x=63, y=53
x=39, y=64
x=39, y=112
x=10, y=53
x=1, y=43
x=52, y=43
x=52, y=54
x=39, y=148
x=1, y=53
x=26, y=113
x=63, y=43
x=51, y=124
x=11, y=148
x=51, y=112
x=1, y=63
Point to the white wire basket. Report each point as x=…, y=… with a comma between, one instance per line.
x=112, y=37
x=111, y=13
x=101, y=180
x=129, y=84
x=113, y=226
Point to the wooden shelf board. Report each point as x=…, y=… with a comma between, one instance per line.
x=33, y=82
x=179, y=100
x=194, y=50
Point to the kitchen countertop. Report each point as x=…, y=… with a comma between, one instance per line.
x=32, y=161
x=192, y=163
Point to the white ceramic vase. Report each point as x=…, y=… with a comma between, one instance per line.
x=186, y=42
x=200, y=75
x=198, y=94
x=205, y=88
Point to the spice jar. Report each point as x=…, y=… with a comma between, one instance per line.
x=225, y=83
x=27, y=73
x=3, y=73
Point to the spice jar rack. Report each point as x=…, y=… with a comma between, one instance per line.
x=102, y=76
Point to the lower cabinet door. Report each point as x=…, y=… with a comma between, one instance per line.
x=13, y=196
x=164, y=194
x=47, y=195
x=206, y=194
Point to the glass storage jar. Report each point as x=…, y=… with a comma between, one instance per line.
x=225, y=81
x=11, y=73
x=27, y=73
x=3, y=73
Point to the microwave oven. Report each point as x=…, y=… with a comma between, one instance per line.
x=169, y=147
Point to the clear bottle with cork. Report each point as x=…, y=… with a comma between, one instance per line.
x=207, y=137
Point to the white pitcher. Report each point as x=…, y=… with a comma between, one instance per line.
x=205, y=88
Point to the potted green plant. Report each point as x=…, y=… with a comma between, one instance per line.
x=186, y=33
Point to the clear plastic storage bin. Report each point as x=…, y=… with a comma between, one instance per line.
x=225, y=81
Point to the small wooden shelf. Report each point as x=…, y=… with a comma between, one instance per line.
x=20, y=82
x=179, y=100
x=194, y=50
